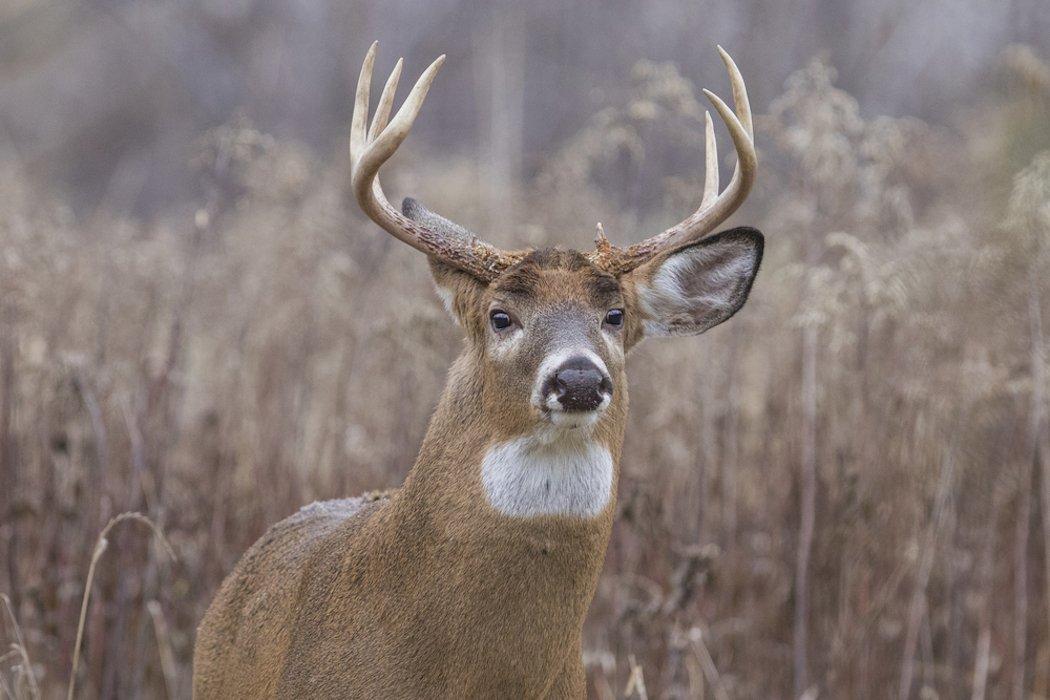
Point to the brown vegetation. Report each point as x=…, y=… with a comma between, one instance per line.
x=843, y=491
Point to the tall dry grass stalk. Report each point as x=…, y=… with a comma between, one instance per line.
x=167, y=654
x=24, y=683
x=789, y=514
x=100, y=548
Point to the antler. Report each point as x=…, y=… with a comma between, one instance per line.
x=371, y=147
x=453, y=245
x=714, y=207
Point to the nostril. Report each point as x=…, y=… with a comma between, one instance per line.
x=606, y=386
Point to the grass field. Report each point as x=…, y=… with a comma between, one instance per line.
x=843, y=491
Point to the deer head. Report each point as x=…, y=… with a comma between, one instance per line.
x=550, y=329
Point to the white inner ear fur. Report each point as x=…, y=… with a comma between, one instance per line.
x=448, y=299
x=527, y=478
x=695, y=289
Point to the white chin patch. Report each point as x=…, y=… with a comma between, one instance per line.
x=527, y=477
x=573, y=420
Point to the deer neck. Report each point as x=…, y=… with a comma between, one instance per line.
x=540, y=503
x=471, y=470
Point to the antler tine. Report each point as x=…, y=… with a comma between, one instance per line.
x=386, y=101
x=394, y=133
x=371, y=147
x=715, y=207
x=736, y=81
x=359, y=122
x=747, y=159
x=382, y=115
x=711, y=162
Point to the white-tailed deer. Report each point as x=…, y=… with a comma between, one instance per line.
x=474, y=577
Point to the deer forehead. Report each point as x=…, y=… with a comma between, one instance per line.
x=548, y=278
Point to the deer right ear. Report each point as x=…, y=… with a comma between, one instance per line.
x=459, y=291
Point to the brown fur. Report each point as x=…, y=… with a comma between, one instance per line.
x=428, y=591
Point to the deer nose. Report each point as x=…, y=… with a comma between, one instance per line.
x=580, y=385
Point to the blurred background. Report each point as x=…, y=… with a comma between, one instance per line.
x=843, y=492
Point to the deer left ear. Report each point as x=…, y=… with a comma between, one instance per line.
x=699, y=286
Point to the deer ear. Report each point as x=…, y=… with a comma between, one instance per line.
x=695, y=288
x=459, y=291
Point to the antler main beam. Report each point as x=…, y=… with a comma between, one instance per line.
x=371, y=147
x=715, y=207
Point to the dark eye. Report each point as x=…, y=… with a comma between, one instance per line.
x=501, y=320
x=614, y=317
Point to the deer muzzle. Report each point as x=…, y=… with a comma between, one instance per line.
x=578, y=385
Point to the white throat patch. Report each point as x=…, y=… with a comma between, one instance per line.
x=526, y=478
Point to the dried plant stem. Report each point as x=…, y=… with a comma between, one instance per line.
x=602, y=687
x=807, y=508
x=1024, y=496
x=8, y=471
x=21, y=649
x=986, y=586
x=100, y=548
x=981, y=663
x=5, y=689
x=167, y=655
x=1037, y=446
x=917, y=608
x=707, y=663
x=1021, y=536
x=636, y=681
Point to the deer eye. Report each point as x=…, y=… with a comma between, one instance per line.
x=501, y=320
x=614, y=317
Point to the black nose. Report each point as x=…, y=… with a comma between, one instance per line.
x=579, y=385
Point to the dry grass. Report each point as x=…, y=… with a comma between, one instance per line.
x=101, y=545
x=842, y=491
x=21, y=681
